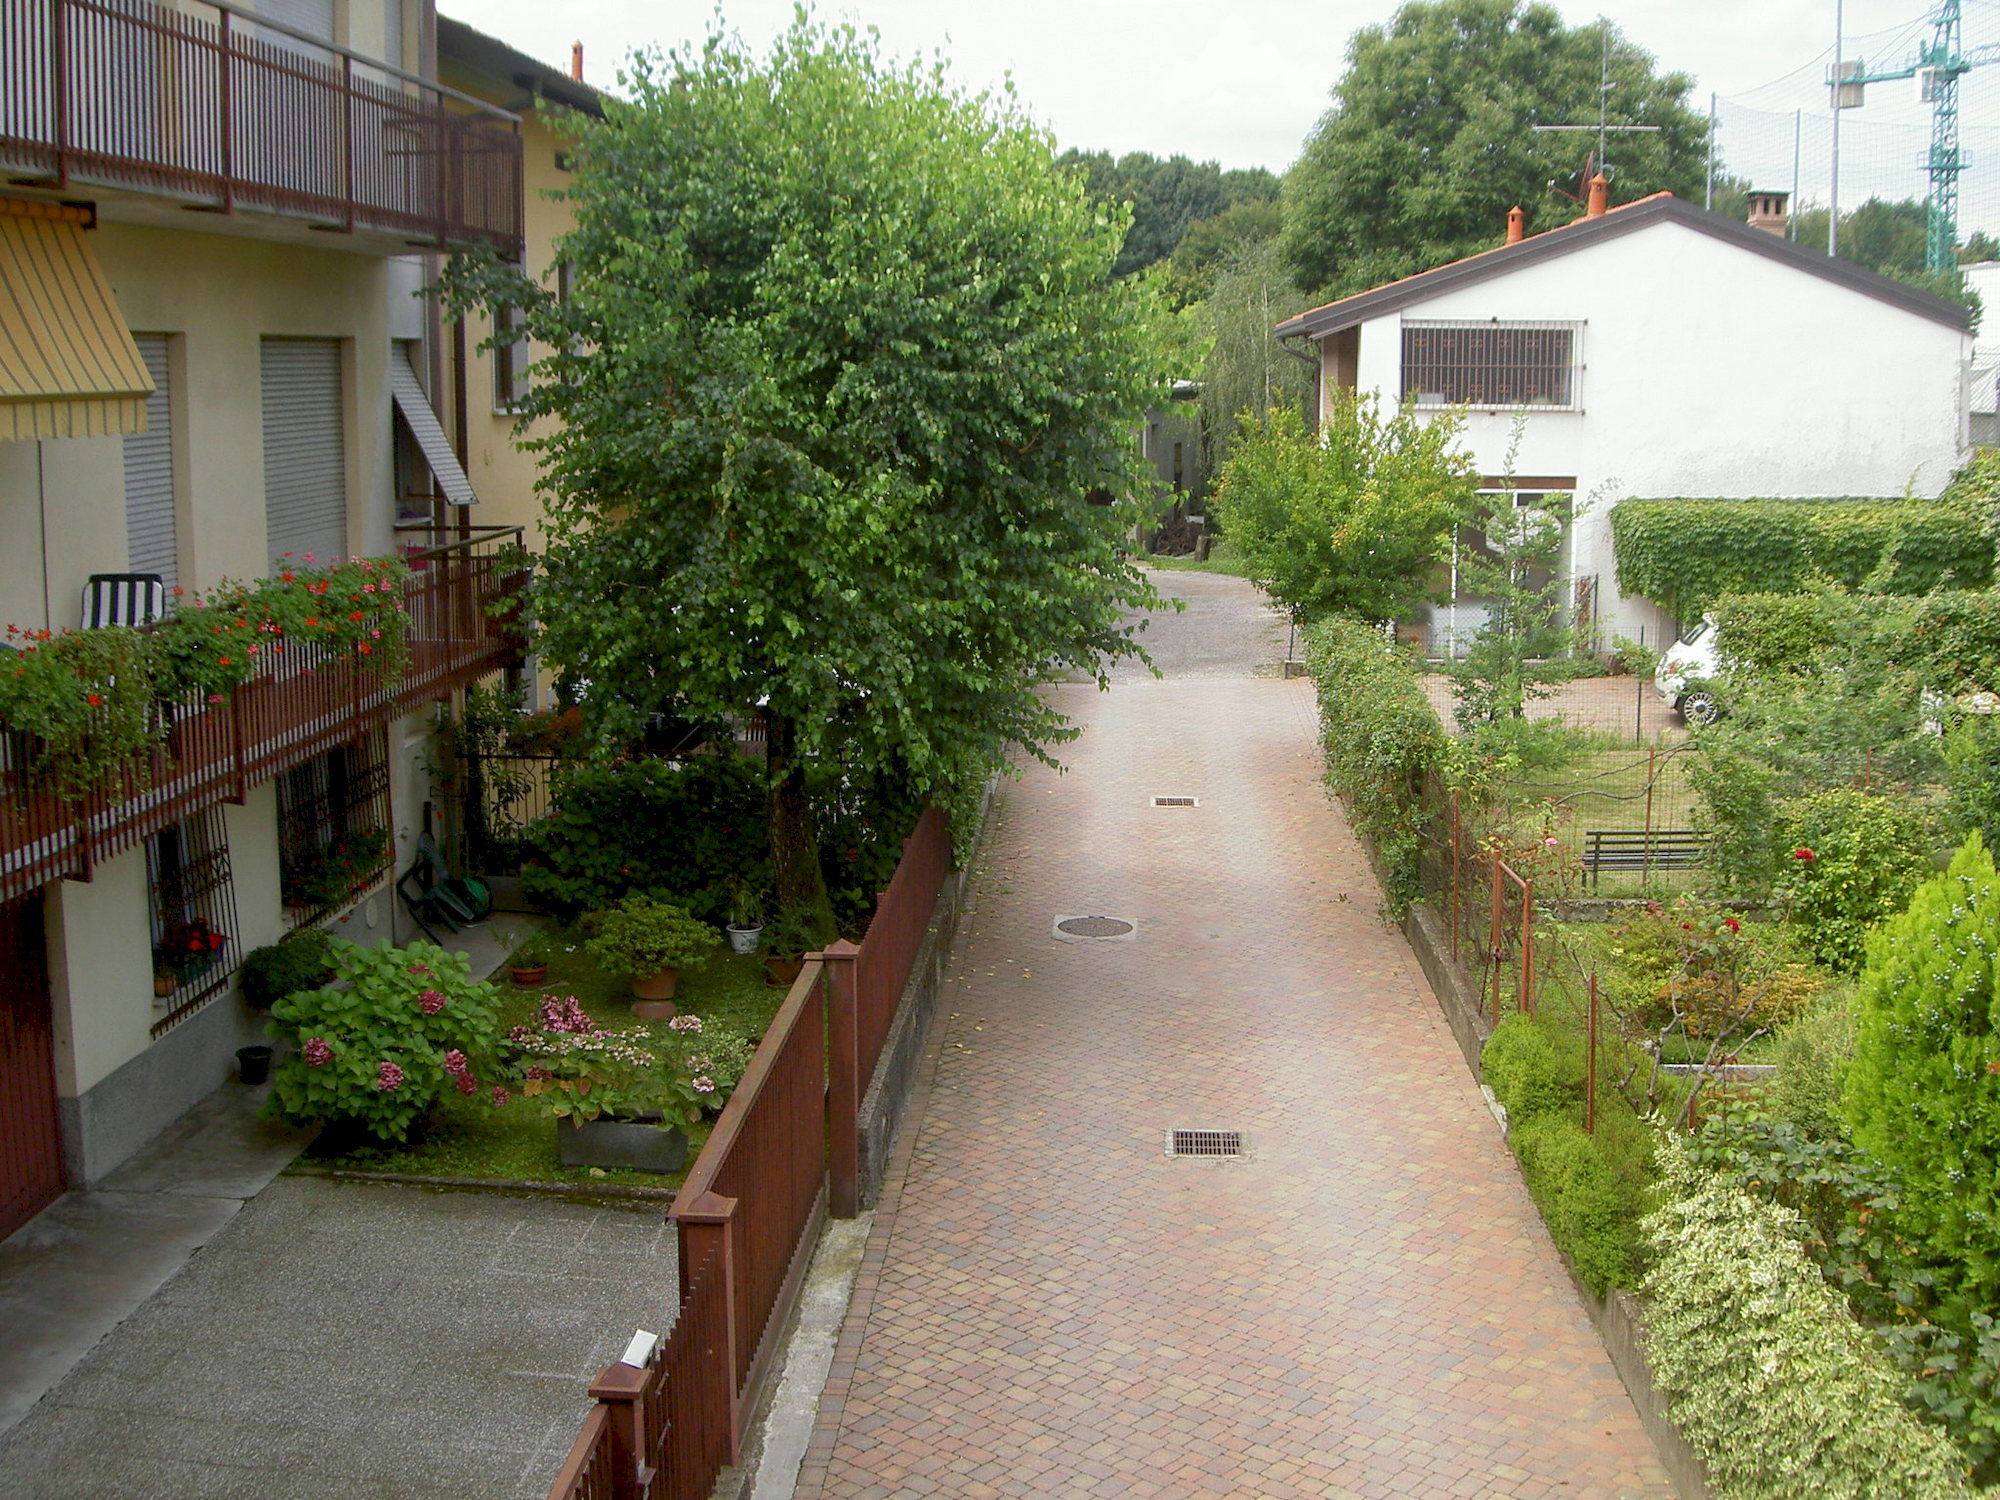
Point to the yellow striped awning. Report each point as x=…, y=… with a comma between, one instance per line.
x=68, y=367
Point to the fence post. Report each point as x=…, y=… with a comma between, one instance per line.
x=1456, y=880
x=1494, y=939
x=843, y=1084
x=621, y=1388
x=1590, y=1064
x=708, y=1230
x=1646, y=854
x=1524, y=992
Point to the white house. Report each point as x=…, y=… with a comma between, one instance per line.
x=1657, y=350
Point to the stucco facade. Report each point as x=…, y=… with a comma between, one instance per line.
x=1702, y=366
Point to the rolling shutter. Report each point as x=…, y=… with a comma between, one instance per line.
x=305, y=471
x=149, y=472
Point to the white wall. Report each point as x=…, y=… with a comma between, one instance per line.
x=1708, y=370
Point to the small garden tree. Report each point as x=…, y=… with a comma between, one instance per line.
x=1923, y=1093
x=839, y=360
x=1350, y=520
x=1511, y=557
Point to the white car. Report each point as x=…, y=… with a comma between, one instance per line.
x=1693, y=659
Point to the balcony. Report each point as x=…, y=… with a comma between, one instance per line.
x=302, y=704
x=237, y=113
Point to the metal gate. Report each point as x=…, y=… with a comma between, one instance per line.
x=31, y=1171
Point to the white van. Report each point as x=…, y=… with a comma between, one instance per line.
x=1694, y=659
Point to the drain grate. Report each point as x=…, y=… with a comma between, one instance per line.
x=1177, y=802
x=1096, y=927
x=1205, y=1143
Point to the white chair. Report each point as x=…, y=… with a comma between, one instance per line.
x=123, y=599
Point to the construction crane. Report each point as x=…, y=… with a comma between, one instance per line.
x=1937, y=67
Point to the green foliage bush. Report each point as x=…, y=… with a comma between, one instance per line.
x=641, y=936
x=1381, y=736
x=1813, y=1055
x=1768, y=1376
x=376, y=1050
x=648, y=828
x=1686, y=554
x=1532, y=1068
x=1851, y=858
x=1922, y=1092
x=1587, y=1214
x=303, y=960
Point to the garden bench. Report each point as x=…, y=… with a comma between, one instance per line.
x=1635, y=849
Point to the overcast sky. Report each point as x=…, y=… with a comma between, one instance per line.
x=1240, y=81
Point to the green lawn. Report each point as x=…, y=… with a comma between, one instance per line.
x=1606, y=789
x=1221, y=559
x=468, y=1137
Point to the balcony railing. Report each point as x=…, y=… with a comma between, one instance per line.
x=245, y=113
x=303, y=703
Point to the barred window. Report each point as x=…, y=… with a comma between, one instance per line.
x=1490, y=364
x=334, y=837
x=192, y=902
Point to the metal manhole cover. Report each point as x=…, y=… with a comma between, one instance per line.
x=1213, y=1143
x=1096, y=927
x=1177, y=802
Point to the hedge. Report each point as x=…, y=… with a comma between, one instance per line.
x=1381, y=736
x=1686, y=554
x=1951, y=638
x=1767, y=1375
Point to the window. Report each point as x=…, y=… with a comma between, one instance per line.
x=1490, y=364
x=305, y=449
x=150, y=544
x=510, y=361
x=192, y=902
x=334, y=837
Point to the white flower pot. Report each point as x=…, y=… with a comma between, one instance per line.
x=744, y=939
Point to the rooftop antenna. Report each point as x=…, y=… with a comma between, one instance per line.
x=1604, y=129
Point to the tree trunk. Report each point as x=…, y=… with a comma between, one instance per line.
x=794, y=847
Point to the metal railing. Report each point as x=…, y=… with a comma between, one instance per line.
x=241, y=112
x=780, y=1159
x=300, y=704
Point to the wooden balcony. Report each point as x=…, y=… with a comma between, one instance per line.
x=306, y=701
x=238, y=113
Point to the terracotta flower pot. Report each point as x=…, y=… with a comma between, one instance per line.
x=163, y=985
x=780, y=969
x=530, y=976
x=659, y=986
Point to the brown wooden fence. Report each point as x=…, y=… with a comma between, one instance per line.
x=781, y=1158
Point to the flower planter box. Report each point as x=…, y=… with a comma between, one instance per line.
x=638, y=1145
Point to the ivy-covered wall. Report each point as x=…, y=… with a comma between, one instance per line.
x=1685, y=554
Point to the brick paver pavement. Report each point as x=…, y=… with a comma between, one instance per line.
x=1366, y=1306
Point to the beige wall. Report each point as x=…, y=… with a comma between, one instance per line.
x=101, y=970
x=219, y=296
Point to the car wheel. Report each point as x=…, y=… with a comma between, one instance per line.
x=1700, y=707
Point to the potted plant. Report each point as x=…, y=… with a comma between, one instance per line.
x=786, y=942
x=530, y=964
x=304, y=960
x=165, y=982
x=618, y=1098
x=746, y=919
x=186, y=949
x=650, y=940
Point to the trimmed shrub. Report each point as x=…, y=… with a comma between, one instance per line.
x=1686, y=554
x=1770, y=1379
x=1813, y=1055
x=303, y=960
x=1381, y=736
x=1922, y=1093
x=1588, y=1214
x=1533, y=1069
x=1851, y=858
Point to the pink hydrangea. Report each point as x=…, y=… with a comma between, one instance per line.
x=388, y=1078
x=500, y=1095
x=704, y=1085
x=466, y=1084
x=431, y=1001
x=539, y=1075
x=317, y=1052
x=455, y=1063
x=566, y=1016
x=684, y=1023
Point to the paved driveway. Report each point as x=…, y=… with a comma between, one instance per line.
x=348, y=1341
x=1367, y=1305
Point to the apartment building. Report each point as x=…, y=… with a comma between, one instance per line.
x=212, y=367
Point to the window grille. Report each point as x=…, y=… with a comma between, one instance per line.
x=192, y=900
x=333, y=828
x=1490, y=364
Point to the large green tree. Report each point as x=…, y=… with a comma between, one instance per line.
x=1429, y=140
x=839, y=360
x=1167, y=196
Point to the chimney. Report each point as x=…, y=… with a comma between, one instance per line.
x=1516, y=232
x=1770, y=212
x=1599, y=190
x=576, y=61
